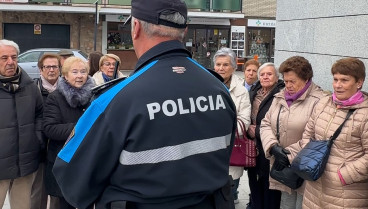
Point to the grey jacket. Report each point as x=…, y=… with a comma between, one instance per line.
x=20, y=129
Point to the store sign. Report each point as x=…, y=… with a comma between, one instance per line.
x=208, y=21
x=261, y=23
x=14, y=1
x=115, y=18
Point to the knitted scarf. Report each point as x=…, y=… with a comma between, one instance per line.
x=11, y=83
x=291, y=98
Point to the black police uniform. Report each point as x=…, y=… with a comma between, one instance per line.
x=161, y=138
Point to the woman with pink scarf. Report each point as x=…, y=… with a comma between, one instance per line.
x=344, y=183
x=291, y=109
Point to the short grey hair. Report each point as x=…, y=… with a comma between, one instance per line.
x=226, y=52
x=266, y=65
x=5, y=42
x=163, y=30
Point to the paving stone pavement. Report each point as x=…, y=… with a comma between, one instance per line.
x=243, y=192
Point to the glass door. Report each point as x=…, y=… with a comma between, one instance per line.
x=204, y=42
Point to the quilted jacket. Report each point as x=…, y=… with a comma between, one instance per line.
x=292, y=123
x=349, y=154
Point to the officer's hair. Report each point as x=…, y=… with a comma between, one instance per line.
x=5, y=42
x=163, y=30
x=226, y=52
x=266, y=65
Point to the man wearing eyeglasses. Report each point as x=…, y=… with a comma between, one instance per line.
x=20, y=128
x=49, y=66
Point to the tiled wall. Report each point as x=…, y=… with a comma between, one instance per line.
x=322, y=32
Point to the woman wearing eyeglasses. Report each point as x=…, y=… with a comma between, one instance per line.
x=62, y=110
x=107, y=68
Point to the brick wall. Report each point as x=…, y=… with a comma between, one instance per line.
x=259, y=8
x=81, y=26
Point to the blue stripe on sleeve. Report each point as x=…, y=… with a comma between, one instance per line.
x=92, y=113
x=205, y=70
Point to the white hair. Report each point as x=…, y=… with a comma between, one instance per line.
x=266, y=65
x=226, y=52
x=5, y=42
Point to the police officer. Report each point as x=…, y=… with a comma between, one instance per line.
x=161, y=138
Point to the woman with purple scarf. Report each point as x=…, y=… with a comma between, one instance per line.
x=344, y=183
x=292, y=108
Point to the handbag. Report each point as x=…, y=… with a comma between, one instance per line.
x=284, y=175
x=311, y=161
x=244, y=151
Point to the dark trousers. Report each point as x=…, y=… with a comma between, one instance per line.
x=220, y=199
x=261, y=196
x=234, y=189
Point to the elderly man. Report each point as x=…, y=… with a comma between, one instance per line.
x=162, y=137
x=20, y=128
x=49, y=66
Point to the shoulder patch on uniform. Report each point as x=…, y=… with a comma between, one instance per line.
x=179, y=69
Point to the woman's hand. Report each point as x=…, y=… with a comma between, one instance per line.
x=252, y=131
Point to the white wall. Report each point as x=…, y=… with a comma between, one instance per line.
x=322, y=32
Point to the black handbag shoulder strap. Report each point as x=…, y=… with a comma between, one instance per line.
x=337, y=132
x=277, y=125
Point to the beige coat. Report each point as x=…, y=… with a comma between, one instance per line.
x=99, y=79
x=292, y=122
x=240, y=97
x=349, y=153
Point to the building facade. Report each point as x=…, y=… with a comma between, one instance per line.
x=322, y=32
x=71, y=24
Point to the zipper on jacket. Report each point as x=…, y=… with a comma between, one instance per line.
x=17, y=124
x=329, y=123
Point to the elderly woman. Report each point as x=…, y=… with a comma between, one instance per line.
x=225, y=65
x=292, y=107
x=62, y=110
x=344, y=183
x=250, y=73
x=261, y=96
x=107, y=68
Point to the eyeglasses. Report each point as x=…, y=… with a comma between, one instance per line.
x=108, y=64
x=48, y=67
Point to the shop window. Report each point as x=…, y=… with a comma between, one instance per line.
x=204, y=43
x=119, y=37
x=261, y=44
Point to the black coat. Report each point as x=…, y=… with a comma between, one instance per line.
x=44, y=94
x=20, y=129
x=58, y=122
x=263, y=165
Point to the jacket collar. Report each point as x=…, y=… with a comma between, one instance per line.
x=313, y=90
x=236, y=81
x=160, y=50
